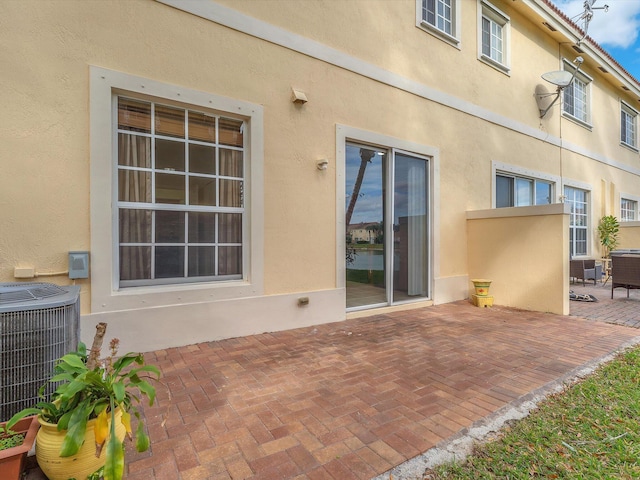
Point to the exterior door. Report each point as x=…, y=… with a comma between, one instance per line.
x=386, y=225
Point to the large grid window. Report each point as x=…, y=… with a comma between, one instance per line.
x=578, y=220
x=576, y=97
x=628, y=210
x=516, y=191
x=180, y=181
x=628, y=126
x=440, y=14
x=494, y=27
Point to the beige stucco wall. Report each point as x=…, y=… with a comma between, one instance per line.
x=523, y=252
x=629, y=235
x=388, y=77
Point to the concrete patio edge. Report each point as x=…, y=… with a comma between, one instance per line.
x=459, y=446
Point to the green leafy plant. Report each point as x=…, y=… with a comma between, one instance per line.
x=86, y=392
x=10, y=439
x=608, y=230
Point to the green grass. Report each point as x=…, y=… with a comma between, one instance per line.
x=589, y=431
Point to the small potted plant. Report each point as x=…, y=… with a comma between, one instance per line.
x=90, y=408
x=15, y=443
x=608, y=231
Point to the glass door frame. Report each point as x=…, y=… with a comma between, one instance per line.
x=392, y=147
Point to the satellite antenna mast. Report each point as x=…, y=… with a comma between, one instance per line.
x=561, y=79
x=587, y=15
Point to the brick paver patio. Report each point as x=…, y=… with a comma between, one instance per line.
x=352, y=400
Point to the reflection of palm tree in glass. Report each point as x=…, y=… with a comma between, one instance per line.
x=365, y=157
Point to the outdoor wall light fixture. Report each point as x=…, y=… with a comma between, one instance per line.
x=298, y=97
x=322, y=164
x=561, y=79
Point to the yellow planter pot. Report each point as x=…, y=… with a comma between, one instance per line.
x=481, y=286
x=79, y=466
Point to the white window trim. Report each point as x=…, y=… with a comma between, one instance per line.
x=499, y=167
x=105, y=292
x=570, y=67
x=633, y=198
x=456, y=24
x=624, y=106
x=486, y=9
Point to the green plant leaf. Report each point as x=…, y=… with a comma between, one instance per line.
x=119, y=391
x=73, y=361
x=148, y=390
x=142, y=439
x=20, y=415
x=123, y=362
x=114, y=465
x=77, y=427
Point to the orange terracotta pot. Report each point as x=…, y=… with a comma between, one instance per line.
x=12, y=459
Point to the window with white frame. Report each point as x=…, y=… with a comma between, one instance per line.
x=628, y=210
x=576, y=97
x=440, y=17
x=578, y=220
x=519, y=191
x=494, y=30
x=628, y=125
x=180, y=193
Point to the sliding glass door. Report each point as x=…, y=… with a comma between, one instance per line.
x=386, y=225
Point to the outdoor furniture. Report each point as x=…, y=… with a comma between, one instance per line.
x=585, y=270
x=625, y=272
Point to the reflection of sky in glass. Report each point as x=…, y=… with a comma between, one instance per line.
x=369, y=204
x=543, y=192
x=524, y=192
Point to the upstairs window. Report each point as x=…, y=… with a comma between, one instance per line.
x=628, y=210
x=628, y=126
x=494, y=32
x=576, y=97
x=441, y=18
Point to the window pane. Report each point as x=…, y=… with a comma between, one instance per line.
x=202, y=261
x=486, y=37
x=504, y=191
x=169, y=121
x=202, y=227
x=135, y=263
x=230, y=193
x=169, y=227
x=170, y=189
x=230, y=132
x=202, y=159
x=229, y=260
x=230, y=227
x=134, y=151
x=544, y=192
x=134, y=115
x=231, y=163
x=524, y=192
x=134, y=186
x=202, y=127
x=169, y=155
x=135, y=226
x=202, y=191
x=169, y=262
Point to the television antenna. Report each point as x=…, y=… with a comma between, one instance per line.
x=587, y=15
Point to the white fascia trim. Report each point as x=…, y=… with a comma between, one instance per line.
x=240, y=22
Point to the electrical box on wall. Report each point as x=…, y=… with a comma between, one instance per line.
x=78, y=265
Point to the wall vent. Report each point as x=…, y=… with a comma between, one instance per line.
x=39, y=323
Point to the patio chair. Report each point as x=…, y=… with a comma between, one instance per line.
x=625, y=272
x=585, y=270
